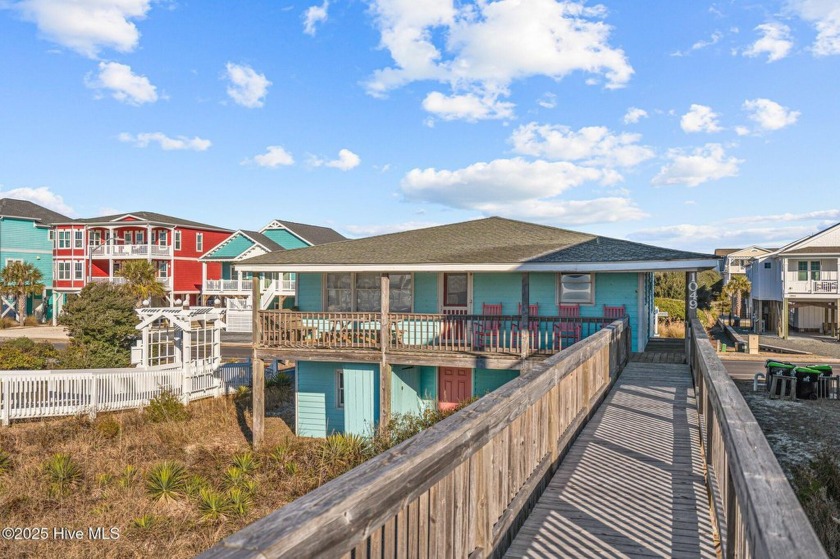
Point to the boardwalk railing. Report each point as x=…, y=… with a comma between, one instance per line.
x=462, y=487
x=39, y=394
x=423, y=332
x=757, y=512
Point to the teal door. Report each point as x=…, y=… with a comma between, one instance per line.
x=358, y=402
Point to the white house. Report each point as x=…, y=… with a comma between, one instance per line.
x=795, y=287
x=736, y=260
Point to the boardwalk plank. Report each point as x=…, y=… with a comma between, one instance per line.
x=632, y=485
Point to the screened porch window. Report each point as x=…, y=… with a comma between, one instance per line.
x=802, y=270
x=576, y=288
x=455, y=290
x=362, y=292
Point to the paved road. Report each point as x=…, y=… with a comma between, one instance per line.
x=742, y=369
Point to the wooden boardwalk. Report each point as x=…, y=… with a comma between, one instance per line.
x=632, y=485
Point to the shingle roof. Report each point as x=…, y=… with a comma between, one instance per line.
x=725, y=251
x=493, y=240
x=315, y=234
x=263, y=240
x=11, y=207
x=148, y=216
x=814, y=250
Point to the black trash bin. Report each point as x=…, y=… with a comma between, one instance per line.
x=774, y=367
x=807, y=382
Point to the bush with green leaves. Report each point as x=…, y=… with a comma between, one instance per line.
x=245, y=461
x=239, y=501
x=212, y=504
x=166, y=407
x=143, y=522
x=22, y=354
x=166, y=480
x=63, y=472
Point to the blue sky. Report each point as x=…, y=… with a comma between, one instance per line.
x=703, y=125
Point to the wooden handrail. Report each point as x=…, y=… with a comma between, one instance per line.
x=458, y=489
x=757, y=511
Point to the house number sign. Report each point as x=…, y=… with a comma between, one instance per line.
x=692, y=295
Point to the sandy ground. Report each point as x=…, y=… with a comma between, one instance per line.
x=38, y=333
x=796, y=430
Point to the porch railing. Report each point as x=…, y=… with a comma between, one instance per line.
x=129, y=251
x=424, y=332
x=284, y=286
x=757, y=512
x=826, y=284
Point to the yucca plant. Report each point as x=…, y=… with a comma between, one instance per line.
x=246, y=462
x=5, y=462
x=279, y=453
x=194, y=484
x=104, y=480
x=128, y=475
x=234, y=477
x=212, y=504
x=239, y=501
x=63, y=472
x=166, y=480
x=143, y=522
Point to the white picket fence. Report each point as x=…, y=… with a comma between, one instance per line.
x=37, y=394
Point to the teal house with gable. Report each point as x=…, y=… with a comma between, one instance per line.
x=431, y=317
x=26, y=235
x=234, y=288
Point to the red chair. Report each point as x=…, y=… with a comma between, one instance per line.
x=487, y=329
x=567, y=332
x=614, y=312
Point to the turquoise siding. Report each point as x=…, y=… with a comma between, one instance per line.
x=318, y=414
x=405, y=390
x=310, y=297
x=428, y=385
x=488, y=380
x=22, y=240
x=227, y=271
x=426, y=292
x=230, y=249
x=285, y=238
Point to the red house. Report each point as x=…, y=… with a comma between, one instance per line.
x=94, y=249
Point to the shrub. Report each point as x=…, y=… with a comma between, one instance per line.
x=108, y=427
x=166, y=407
x=234, y=477
x=674, y=307
x=817, y=486
x=5, y=462
x=166, y=480
x=239, y=501
x=212, y=504
x=194, y=484
x=63, y=472
x=245, y=462
x=30, y=321
x=22, y=354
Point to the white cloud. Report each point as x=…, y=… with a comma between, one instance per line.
x=591, y=145
x=87, y=26
x=468, y=107
x=165, y=142
x=42, y=196
x=832, y=215
x=634, y=115
x=707, y=236
x=700, y=118
x=547, y=101
x=274, y=156
x=346, y=160
x=701, y=165
x=313, y=16
x=770, y=115
x=825, y=16
x=480, y=48
x=701, y=44
x=247, y=87
x=775, y=41
x=568, y=212
x=742, y=130
x=124, y=85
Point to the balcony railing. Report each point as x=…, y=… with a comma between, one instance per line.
x=131, y=251
x=826, y=284
x=423, y=332
x=243, y=287
x=119, y=280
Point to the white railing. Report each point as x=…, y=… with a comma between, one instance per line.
x=41, y=394
x=827, y=283
x=131, y=251
x=119, y=280
x=227, y=286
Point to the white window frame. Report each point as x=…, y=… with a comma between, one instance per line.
x=78, y=238
x=559, y=289
x=78, y=269
x=10, y=260
x=162, y=266
x=51, y=235
x=127, y=237
x=199, y=242
x=339, y=388
x=163, y=235
x=140, y=237
x=353, y=301
x=63, y=270
x=177, y=240
x=65, y=239
x=94, y=238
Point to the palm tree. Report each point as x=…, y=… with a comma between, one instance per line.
x=21, y=279
x=737, y=286
x=142, y=280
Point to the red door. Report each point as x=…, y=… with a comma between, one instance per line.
x=454, y=386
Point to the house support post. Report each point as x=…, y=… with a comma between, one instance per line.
x=690, y=309
x=257, y=373
x=524, y=319
x=385, y=340
x=785, y=317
